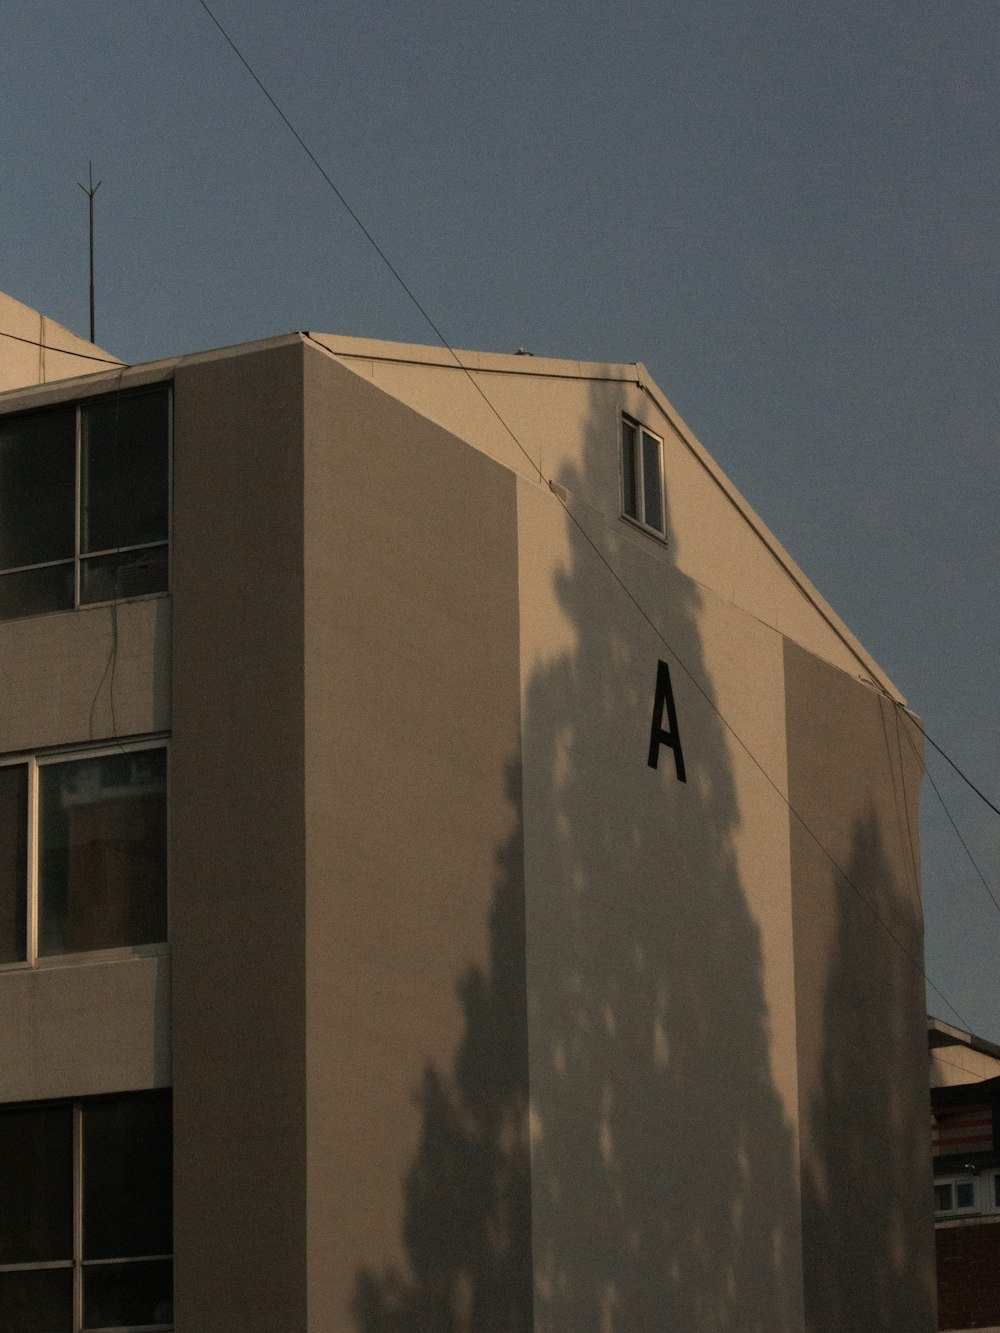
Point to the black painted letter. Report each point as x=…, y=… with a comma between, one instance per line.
x=657, y=735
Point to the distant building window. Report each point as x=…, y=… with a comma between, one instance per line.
x=83, y=853
x=642, y=476
x=84, y=503
x=86, y=1224
x=954, y=1196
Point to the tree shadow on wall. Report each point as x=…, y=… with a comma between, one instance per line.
x=865, y=1127
x=662, y=1187
x=467, y=1220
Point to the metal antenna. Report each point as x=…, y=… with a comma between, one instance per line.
x=90, y=196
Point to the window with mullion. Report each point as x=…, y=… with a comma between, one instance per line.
x=84, y=503
x=642, y=476
x=77, y=1180
x=83, y=854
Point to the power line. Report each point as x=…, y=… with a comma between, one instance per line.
x=579, y=526
x=947, y=758
x=63, y=351
x=972, y=860
x=976, y=1073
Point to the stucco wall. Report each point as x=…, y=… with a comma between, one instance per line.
x=854, y=767
x=539, y=414
x=41, y=350
x=660, y=968
x=414, y=891
x=238, y=846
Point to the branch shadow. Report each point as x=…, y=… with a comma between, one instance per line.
x=865, y=1131
x=609, y=1151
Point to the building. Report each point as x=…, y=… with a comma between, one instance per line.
x=532, y=939
x=965, y=1101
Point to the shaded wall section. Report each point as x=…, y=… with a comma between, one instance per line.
x=416, y=1036
x=854, y=778
x=238, y=864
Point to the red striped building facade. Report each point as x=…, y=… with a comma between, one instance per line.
x=965, y=1139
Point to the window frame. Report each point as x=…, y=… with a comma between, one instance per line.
x=79, y=558
x=638, y=479
x=952, y=1181
x=78, y=1264
x=985, y=1194
x=33, y=960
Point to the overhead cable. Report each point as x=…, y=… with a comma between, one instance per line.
x=63, y=351
x=915, y=962
x=930, y=778
x=948, y=760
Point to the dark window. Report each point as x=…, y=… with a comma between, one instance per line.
x=13, y=863
x=83, y=854
x=642, y=476
x=37, y=488
x=84, y=501
x=85, y=1222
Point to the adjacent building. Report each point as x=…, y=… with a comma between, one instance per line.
x=965, y=1111
x=458, y=873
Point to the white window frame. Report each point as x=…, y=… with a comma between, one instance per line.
x=985, y=1189
x=638, y=476
x=78, y=559
x=34, y=763
x=953, y=1181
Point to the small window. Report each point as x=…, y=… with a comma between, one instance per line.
x=954, y=1196
x=84, y=499
x=83, y=853
x=86, y=1226
x=642, y=476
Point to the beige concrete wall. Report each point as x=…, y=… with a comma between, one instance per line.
x=954, y=1065
x=552, y=409
x=238, y=846
x=416, y=1043
x=86, y=675
x=61, y=354
x=85, y=1028
x=867, y=1227
x=660, y=958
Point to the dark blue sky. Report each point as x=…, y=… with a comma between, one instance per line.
x=789, y=211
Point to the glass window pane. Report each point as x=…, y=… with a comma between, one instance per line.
x=652, y=505
x=942, y=1198
x=127, y=1157
x=37, y=1301
x=996, y=1191
x=103, y=852
x=119, y=1295
x=36, y=1173
x=37, y=487
x=124, y=471
x=628, y=469
x=32, y=592
x=13, y=863
x=964, y=1194
x=106, y=578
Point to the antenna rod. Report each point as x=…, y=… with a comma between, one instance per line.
x=90, y=196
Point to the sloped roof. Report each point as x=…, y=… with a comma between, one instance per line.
x=775, y=589
x=36, y=350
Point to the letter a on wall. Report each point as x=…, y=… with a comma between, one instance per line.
x=669, y=735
